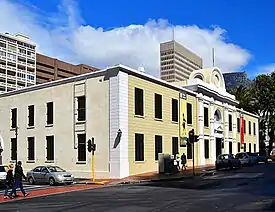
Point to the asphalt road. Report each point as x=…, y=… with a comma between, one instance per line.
x=246, y=189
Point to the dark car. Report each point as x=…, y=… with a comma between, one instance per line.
x=261, y=157
x=227, y=161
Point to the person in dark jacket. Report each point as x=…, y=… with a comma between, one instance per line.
x=18, y=175
x=9, y=181
x=183, y=161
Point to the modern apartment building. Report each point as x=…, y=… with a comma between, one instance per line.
x=17, y=62
x=132, y=117
x=49, y=69
x=177, y=62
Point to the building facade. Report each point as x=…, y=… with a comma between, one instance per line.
x=48, y=69
x=177, y=62
x=132, y=117
x=17, y=62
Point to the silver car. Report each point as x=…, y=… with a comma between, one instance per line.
x=49, y=174
x=3, y=173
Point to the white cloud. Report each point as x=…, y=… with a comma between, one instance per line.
x=64, y=35
x=267, y=69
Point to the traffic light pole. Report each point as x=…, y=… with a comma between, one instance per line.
x=93, y=165
x=16, y=137
x=193, y=155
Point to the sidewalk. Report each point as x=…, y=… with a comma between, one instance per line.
x=51, y=191
x=152, y=176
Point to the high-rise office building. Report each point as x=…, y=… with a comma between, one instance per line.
x=177, y=62
x=17, y=62
x=50, y=69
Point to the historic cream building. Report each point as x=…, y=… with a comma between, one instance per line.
x=132, y=117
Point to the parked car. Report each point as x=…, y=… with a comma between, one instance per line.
x=3, y=173
x=261, y=157
x=246, y=158
x=227, y=161
x=49, y=174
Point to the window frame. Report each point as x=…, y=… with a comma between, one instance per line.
x=175, y=110
x=81, y=112
x=139, y=143
x=206, y=150
x=189, y=116
x=31, y=116
x=158, y=146
x=48, y=152
x=31, y=155
x=81, y=147
x=50, y=113
x=206, y=117
x=158, y=106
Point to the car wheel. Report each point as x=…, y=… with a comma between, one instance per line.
x=51, y=181
x=31, y=180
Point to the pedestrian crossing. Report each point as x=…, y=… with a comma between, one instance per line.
x=28, y=188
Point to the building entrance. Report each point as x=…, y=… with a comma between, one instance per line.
x=218, y=146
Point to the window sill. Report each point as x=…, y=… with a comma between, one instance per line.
x=12, y=129
x=139, y=116
x=30, y=127
x=175, y=122
x=81, y=162
x=30, y=161
x=156, y=119
x=189, y=125
x=140, y=161
x=80, y=122
x=49, y=161
x=206, y=127
x=49, y=125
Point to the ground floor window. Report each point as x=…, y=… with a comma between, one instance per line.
x=50, y=147
x=239, y=147
x=175, y=145
x=230, y=147
x=249, y=147
x=158, y=146
x=81, y=147
x=244, y=147
x=255, y=150
x=13, y=149
x=139, y=147
x=30, y=148
x=189, y=151
x=206, y=149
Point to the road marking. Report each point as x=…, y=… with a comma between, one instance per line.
x=29, y=188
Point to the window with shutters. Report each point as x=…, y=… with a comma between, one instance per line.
x=81, y=147
x=189, y=151
x=206, y=149
x=13, y=149
x=139, y=108
x=230, y=122
x=206, y=119
x=49, y=113
x=158, y=106
x=31, y=149
x=31, y=115
x=175, y=110
x=13, y=118
x=158, y=146
x=189, y=113
x=81, y=108
x=139, y=147
x=230, y=147
x=175, y=145
x=238, y=124
x=50, y=148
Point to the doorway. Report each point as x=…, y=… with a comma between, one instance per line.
x=218, y=146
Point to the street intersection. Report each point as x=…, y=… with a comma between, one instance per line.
x=245, y=189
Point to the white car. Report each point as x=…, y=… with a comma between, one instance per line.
x=246, y=158
x=3, y=173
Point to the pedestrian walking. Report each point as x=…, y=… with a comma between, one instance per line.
x=18, y=175
x=9, y=183
x=183, y=161
x=178, y=161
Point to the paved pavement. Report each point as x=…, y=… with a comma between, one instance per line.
x=246, y=189
x=28, y=188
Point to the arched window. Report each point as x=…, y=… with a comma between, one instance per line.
x=199, y=77
x=218, y=115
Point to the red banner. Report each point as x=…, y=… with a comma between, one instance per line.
x=242, y=130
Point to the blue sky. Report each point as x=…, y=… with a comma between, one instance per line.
x=242, y=32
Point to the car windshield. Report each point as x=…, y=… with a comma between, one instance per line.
x=55, y=169
x=3, y=168
x=238, y=156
